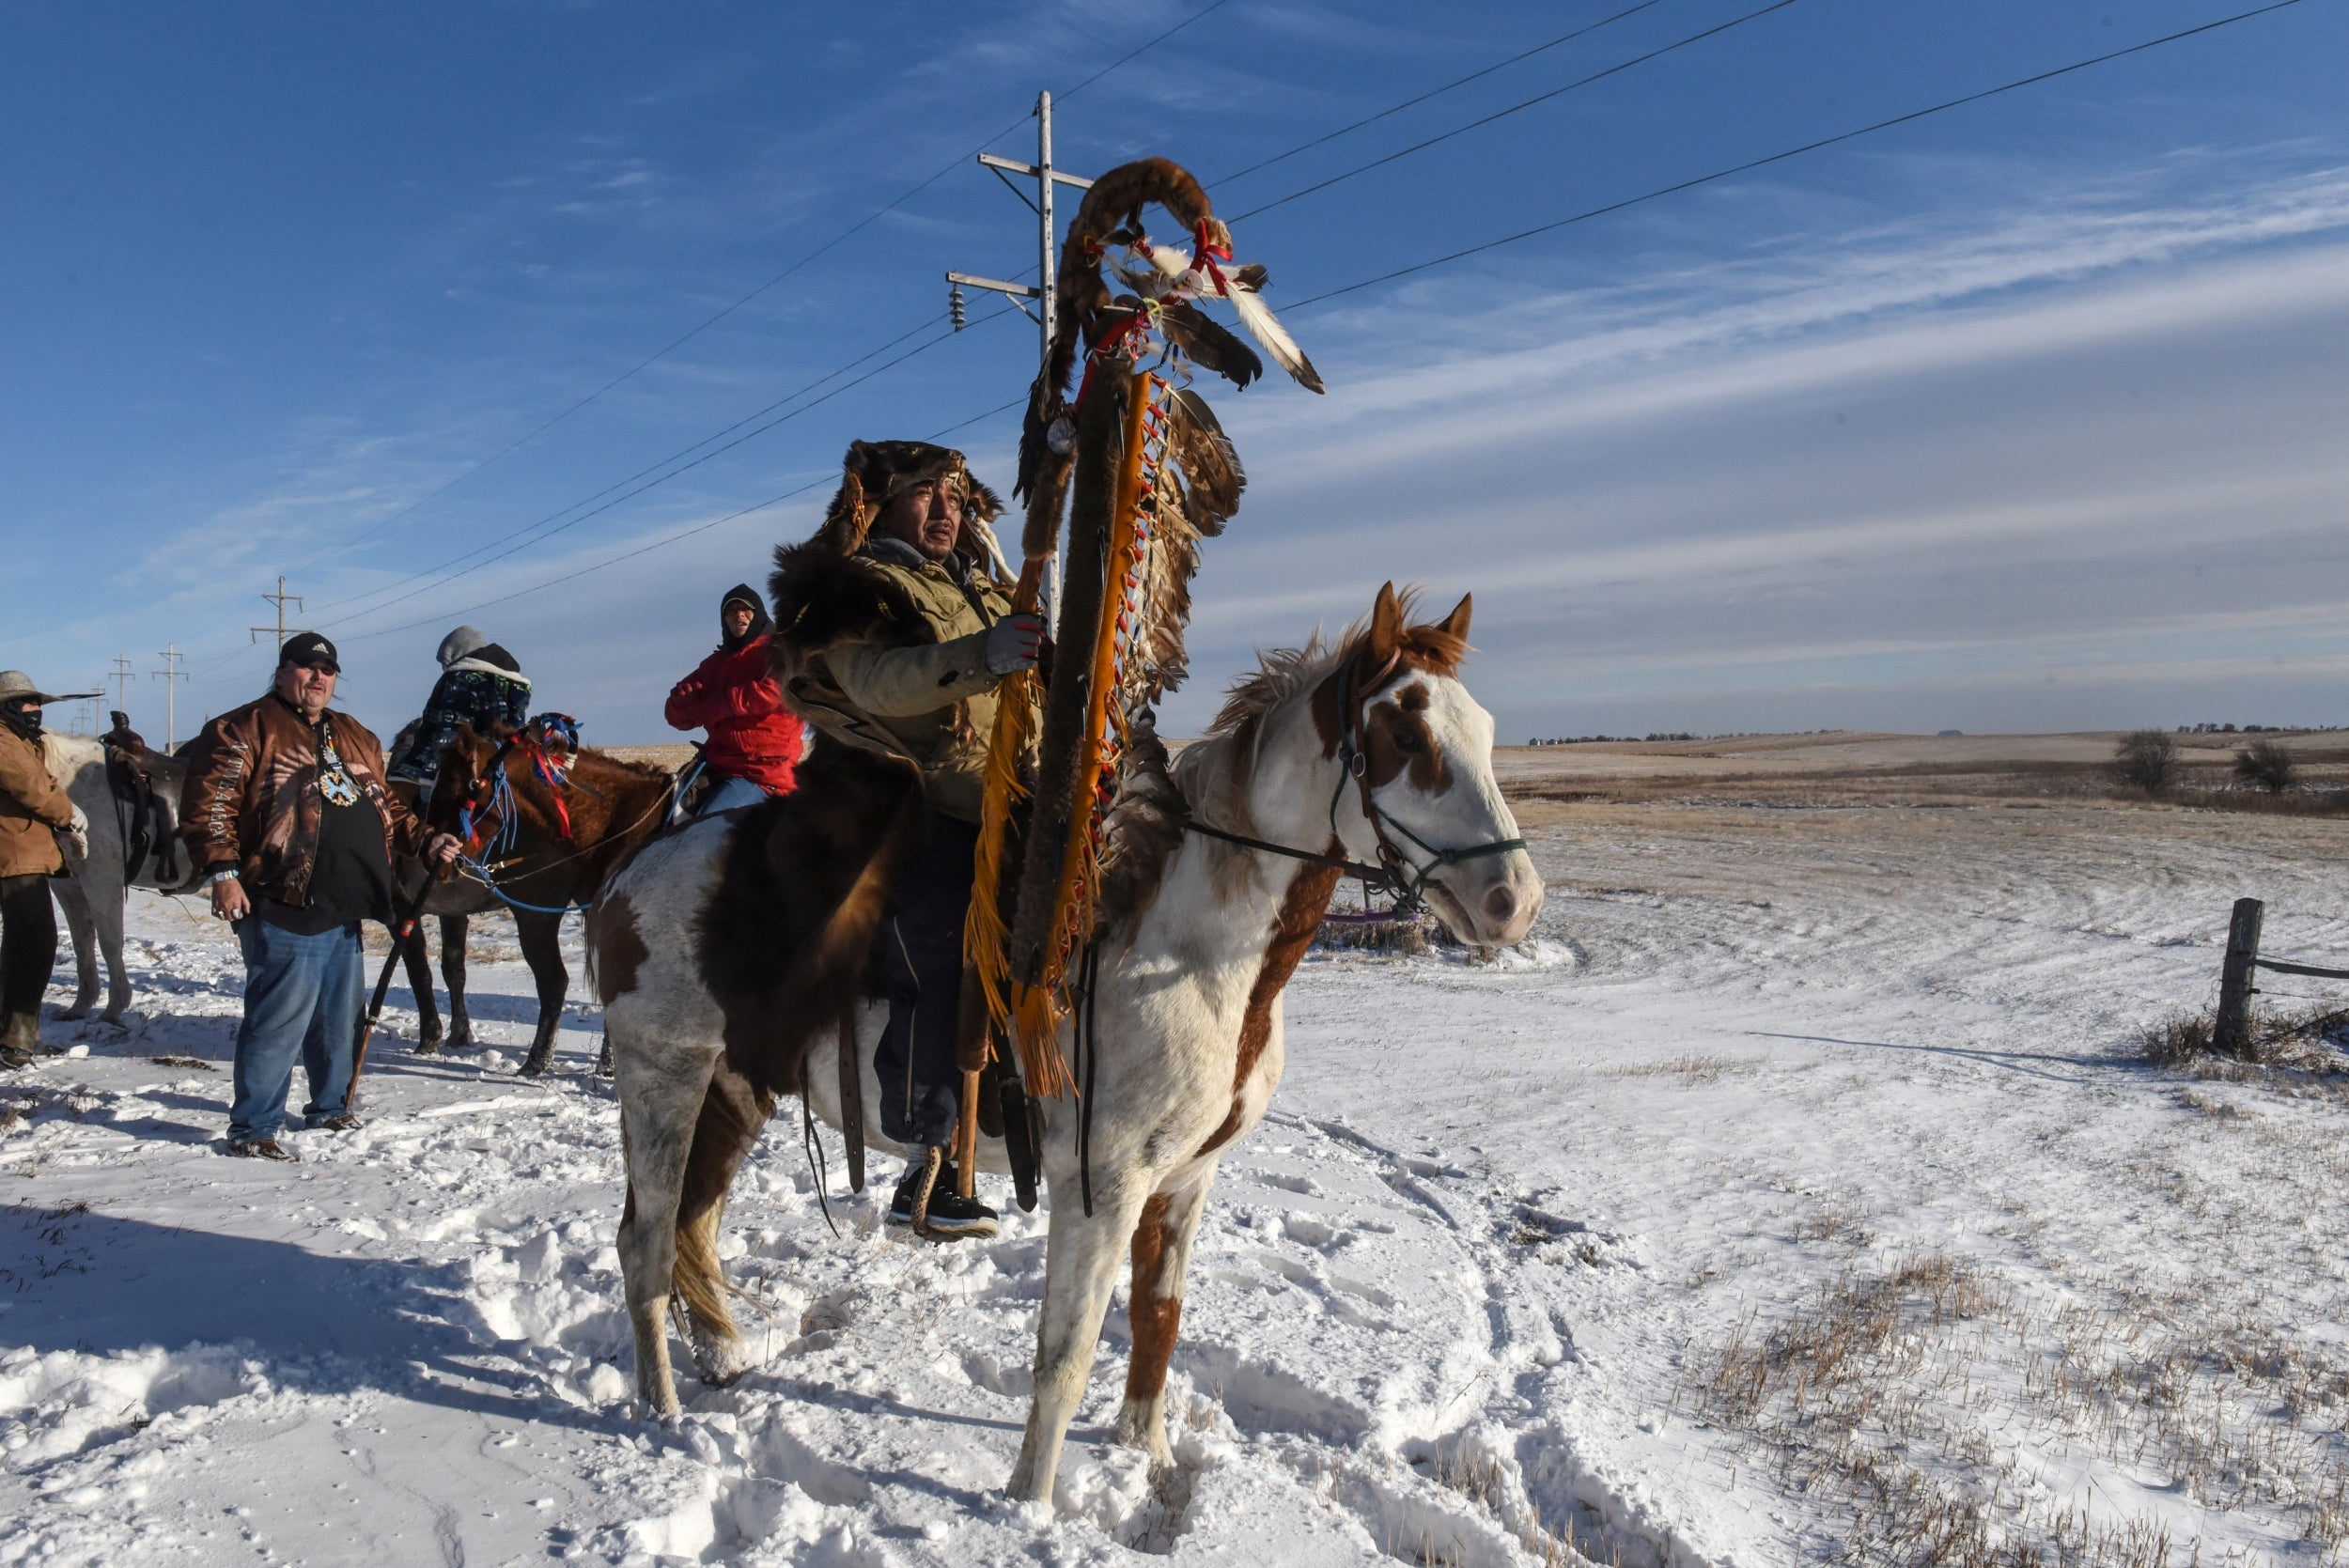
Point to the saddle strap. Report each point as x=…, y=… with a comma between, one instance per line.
x=851, y=1098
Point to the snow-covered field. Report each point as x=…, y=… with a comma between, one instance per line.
x=1800, y=1188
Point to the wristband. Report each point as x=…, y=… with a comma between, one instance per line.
x=217, y=878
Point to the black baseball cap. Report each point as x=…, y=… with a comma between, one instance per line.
x=311, y=651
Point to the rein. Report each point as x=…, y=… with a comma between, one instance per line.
x=497, y=786
x=1396, y=872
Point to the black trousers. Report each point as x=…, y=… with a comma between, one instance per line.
x=28, y=950
x=923, y=943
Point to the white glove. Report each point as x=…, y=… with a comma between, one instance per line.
x=1014, y=642
x=78, y=835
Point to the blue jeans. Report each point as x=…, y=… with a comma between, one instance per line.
x=731, y=794
x=302, y=997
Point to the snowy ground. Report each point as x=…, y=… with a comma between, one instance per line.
x=1800, y=1189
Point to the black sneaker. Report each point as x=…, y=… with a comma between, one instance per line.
x=262, y=1148
x=951, y=1216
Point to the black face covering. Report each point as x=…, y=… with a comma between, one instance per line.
x=748, y=598
x=23, y=718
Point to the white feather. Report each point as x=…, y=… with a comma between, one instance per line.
x=1257, y=318
x=1170, y=261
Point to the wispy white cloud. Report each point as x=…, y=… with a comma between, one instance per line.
x=1841, y=481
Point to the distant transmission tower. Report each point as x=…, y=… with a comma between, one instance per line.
x=281, y=598
x=170, y=675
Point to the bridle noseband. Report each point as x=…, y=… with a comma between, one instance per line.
x=1395, y=871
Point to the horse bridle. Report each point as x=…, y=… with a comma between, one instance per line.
x=1395, y=871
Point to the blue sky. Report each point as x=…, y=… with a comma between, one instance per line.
x=2025, y=416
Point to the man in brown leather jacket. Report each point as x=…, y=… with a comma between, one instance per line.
x=285, y=806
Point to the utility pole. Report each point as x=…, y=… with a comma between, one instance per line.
x=121, y=677
x=1047, y=255
x=170, y=675
x=281, y=598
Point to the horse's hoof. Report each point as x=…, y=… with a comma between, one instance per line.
x=74, y=1014
x=427, y=1047
x=604, y=1068
x=536, y=1064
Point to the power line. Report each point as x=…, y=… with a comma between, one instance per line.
x=682, y=534
x=1790, y=153
x=710, y=321
x=1435, y=92
x=1404, y=272
x=1515, y=108
x=918, y=328
x=683, y=468
x=1199, y=15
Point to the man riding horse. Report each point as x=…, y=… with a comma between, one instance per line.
x=893, y=629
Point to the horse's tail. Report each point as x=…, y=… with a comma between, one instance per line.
x=732, y=1114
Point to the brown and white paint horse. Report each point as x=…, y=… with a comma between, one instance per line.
x=563, y=841
x=1198, y=940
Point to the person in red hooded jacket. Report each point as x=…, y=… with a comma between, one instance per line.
x=755, y=741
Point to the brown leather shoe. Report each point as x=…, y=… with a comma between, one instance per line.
x=344, y=1123
x=262, y=1148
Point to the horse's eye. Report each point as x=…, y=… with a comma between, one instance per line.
x=1410, y=741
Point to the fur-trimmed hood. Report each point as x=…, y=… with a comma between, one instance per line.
x=822, y=597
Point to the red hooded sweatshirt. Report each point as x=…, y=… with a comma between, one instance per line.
x=733, y=696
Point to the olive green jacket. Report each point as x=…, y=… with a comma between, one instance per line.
x=911, y=680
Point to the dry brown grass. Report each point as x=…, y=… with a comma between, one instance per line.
x=2296, y=1051
x=1690, y=1068
x=1894, y=1399
x=2295, y=802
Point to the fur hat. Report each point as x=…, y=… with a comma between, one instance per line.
x=873, y=470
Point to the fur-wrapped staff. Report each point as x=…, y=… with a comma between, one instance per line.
x=1150, y=471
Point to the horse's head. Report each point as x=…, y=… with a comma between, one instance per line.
x=1418, y=793
x=462, y=783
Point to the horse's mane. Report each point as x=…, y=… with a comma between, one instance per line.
x=1212, y=773
x=645, y=770
x=1215, y=770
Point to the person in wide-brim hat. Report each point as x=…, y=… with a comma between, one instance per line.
x=34, y=810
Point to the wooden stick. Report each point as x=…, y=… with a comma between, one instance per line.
x=967, y=1138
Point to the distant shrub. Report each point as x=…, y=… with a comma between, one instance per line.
x=2147, y=760
x=2265, y=765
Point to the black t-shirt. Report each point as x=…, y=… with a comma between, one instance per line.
x=352, y=878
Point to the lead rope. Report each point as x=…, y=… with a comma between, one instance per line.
x=933, y=1158
x=818, y=1167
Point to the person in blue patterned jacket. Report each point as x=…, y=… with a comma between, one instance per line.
x=481, y=685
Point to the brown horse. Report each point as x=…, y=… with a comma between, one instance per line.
x=549, y=824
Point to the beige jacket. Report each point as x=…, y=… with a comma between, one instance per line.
x=33, y=810
x=915, y=686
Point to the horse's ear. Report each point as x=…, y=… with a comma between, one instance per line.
x=1386, y=625
x=1456, y=624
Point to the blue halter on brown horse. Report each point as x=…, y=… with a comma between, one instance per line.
x=544, y=822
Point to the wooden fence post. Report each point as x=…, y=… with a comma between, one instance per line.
x=2231, y=1030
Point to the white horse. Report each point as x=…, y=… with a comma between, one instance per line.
x=1368, y=752
x=93, y=890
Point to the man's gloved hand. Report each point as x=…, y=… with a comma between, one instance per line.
x=78, y=835
x=1014, y=642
